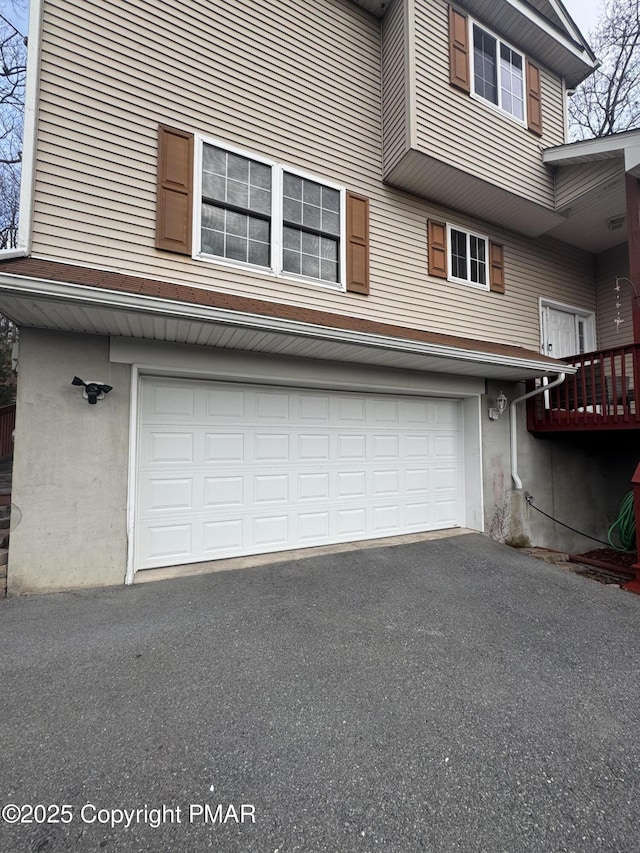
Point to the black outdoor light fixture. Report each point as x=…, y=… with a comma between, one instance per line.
x=92, y=391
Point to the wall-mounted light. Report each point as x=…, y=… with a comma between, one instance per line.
x=499, y=407
x=92, y=391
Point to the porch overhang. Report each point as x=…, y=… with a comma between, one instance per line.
x=147, y=309
x=591, y=189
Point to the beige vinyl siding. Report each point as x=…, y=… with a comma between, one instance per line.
x=314, y=104
x=396, y=111
x=471, y=134
x=572, y=182
x=610, y=264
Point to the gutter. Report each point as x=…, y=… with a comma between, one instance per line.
x=512, y=416
x=140, y=303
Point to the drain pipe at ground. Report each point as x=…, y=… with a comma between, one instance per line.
x=514, y=433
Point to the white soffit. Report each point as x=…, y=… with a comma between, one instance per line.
x=426, y=176
x=64, y=307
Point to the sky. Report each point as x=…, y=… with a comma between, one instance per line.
x=584, y=13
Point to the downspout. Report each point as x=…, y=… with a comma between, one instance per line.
x=514, y=433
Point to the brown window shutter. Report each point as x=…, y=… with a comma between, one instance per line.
x=459, y=71
x=534, y=99
x=357, y=244
x=175, y=190
x=437, y=236
x=496, y=268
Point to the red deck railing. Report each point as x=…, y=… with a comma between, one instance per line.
x=7, y=426
x=602, y=395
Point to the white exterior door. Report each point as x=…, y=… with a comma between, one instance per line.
x=228, y=470
x=566, y=332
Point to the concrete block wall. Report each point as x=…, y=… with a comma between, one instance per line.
x=68, y=521
x=579, y=479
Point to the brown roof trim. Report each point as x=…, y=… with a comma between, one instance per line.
x=113, y=281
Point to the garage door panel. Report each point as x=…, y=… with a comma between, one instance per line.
x=170, y=447
x=223, y=491
x=227, y=469
x=170, y=494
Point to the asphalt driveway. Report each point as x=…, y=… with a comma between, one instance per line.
x=452, y=695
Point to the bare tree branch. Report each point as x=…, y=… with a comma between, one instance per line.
x=609, y=100
x=13, y=61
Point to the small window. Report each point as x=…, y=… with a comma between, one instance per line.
x=468, y=257
x=498, y=73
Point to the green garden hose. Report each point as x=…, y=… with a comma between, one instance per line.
x=624, y=526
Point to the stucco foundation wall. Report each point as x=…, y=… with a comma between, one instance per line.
x=68, y=522
x=578, y=479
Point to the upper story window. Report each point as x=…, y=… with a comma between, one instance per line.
x=258, y=213
x=498, y=72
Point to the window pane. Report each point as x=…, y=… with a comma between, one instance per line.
x=459, y=254
x=331, y=199
x=258, y=253
x=236, y=248
x=259, y=229
x=237, y=224
x=311, y=244
x=511, y=81
x=292, y=186
x=478, y=260
x=213, y=242
x=311, y=193
x=212, y=217
x=328, y=270
x=331, y=222
x=260, y=175
x=311, y=216
x=292, y=211
x=259, y=200
x=213, y=187
x=291, y=238
x=237, y=194
x=311, y=266
x=214, y=160
x=238, y=168
x=485, y=65
x=291, y=261
x=329, y=249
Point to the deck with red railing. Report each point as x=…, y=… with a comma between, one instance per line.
x=604, y=394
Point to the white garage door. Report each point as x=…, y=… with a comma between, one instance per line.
x=227, y=470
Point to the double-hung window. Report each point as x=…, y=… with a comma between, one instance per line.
x=264, y=215
x=498, y=72
x=468, y=254
x=236, y=207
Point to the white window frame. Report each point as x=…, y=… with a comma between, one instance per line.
x=468, y=281
x=499, y=41
x=278, y=169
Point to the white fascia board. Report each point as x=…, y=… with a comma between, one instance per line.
x=117, y=300
x=603, y=147
x=27, y=179
x=568, y=21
